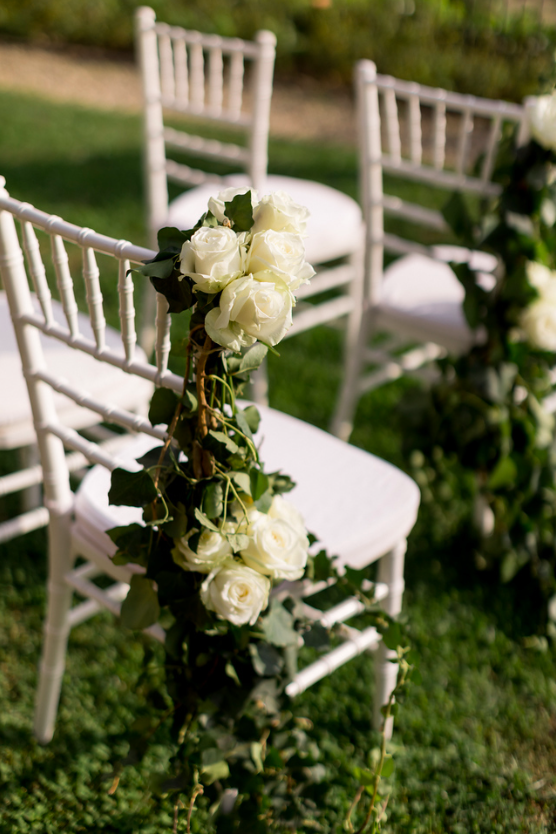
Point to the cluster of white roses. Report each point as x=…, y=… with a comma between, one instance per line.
x=541, y=119
x=538, y=320
x=256, y=271
x=237, y=589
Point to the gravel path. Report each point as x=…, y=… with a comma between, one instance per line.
x=87, y=77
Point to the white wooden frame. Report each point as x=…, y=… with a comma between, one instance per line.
x=383, y=148
x=66, y=540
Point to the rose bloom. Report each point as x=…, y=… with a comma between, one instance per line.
x=278, y=211
x=212, y=258
x=538, y=321
x=216, y=204
x=282, y=253
x=212, y=550
x=278, y=543
x=541, y=117
x=539, y=275
x=252, y=307
x=236, y=593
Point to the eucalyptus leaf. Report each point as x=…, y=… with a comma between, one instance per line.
x=243, y=481
x=131, y=489
x=278, y=626
x=253, y=358
x=267, y=662
x=252, y=417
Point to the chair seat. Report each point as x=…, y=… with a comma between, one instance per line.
x=334, y=227
x=105, y=382
x=357, y=504
x=422, y=299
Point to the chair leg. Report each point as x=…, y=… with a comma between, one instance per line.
x=32, y=496
x=390, y=571
x=56, y=630
x=342, y=421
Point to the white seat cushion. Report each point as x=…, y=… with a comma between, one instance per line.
x=422, y=299
x=334, y=228
x=105, y=382
x=357, y=504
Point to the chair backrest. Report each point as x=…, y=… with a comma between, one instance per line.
x=427, y=135
x=16, y=270
x=201, y=76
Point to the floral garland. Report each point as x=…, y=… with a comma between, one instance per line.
x=218, y=533
x=483, y=435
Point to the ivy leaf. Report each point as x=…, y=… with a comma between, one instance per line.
x=133, y=542
x=243, y=425
x=392, y=637
x=317, y=637
x=213, y=500
x=237, y=541
x=175, y=288
x=257, y=756
x=457, y=216
x=211, y=773
x=231, y=672
x=363, y=776
x=163, y=406
x=171, y=238
x=264, y=503
x=201, y=517
x=503, y=475
x=160, y=268
x=387, y=768
x=240, y=212
x=140, y=608
x=259, y=483
x=267, y=662
x=131, y=489
x=151, y=457
x=278, y=626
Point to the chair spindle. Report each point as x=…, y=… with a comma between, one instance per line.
x=65, y=283
x=127, y=310
x=37, y=270
x=94, y=296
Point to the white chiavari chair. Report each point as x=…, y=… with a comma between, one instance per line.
x=228, y=82
x=440, y=142
x=336, y=482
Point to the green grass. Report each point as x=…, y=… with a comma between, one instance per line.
x=474, y=744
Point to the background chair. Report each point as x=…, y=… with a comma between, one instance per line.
x=228, y=83
x=16, y=421
x=425, y=143
x=336, y=481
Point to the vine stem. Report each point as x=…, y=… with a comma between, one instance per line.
x=196, y=792
x=202, y=422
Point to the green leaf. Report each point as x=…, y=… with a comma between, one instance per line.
x=176, y=289
x=257, y=756
x=133, y=542
x=189, y=401
x=259, y=483
x=252, y=417
x=267, y=662
x=224, y=440
x=387, y=768
x=131, y=489
x=392, y=637
x=161, y=268
x=317, y=637
x=240, y=212
x=252, y=358
x=237, y=541
x=163, y=406
x=201, y=517
x=243, y=481
x=231, y=672
x=456, y=214
x=503, y=474
x=363, y=776
x=213, y=500
x=211, y=773
x=171, y=238
x=264, y=503
x=243, y=425
x=322, y=566
x=140, y=608
x=278, y=626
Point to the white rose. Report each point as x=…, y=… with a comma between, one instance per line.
x=216, y=204
x=281, y=252
x=212, y=258
x=539, y=275
x=279, y=212
x=538, y=321
x=541, y=117
x=212, y=550
x=236, y=593
x=252, y=307
x=278, y=542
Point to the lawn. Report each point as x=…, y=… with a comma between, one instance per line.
x=474, y=744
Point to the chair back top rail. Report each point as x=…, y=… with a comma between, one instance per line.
x=229, y=46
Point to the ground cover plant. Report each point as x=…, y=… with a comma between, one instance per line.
x=474, y=744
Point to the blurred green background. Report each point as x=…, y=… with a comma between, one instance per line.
x=466, y=45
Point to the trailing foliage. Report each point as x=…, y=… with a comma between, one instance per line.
x=483, y=433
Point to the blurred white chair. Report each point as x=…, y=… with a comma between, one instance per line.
x=361, y=507
x=16, y=421
x=441, y=142
x=198, y=76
